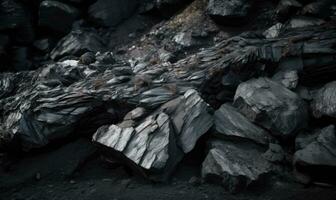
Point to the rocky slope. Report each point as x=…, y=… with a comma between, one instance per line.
x=244, y=89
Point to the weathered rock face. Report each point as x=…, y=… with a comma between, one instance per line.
x=157, y=143
x=77, y=43
x=110, y=13
x=317, y=161
x=272, y=106
x=234, y=164
x=57, y=16
x=226, y=11
x=324, y=101
x=230, y=123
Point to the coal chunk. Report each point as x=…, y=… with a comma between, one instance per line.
x=57, y=16
x=272, y=106
x=229, y=12
x=229, y=122
x=318, y=159
x=111, y=13
x=324, y=101
x=77, y=43
x=235, y=165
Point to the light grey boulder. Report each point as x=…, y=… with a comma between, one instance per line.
x=230, y=123
x=324, y=101
x=272, y=106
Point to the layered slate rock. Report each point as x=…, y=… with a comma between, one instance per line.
x=77, y=43
x=151, y=145
x=156, y=144
x=235, y=164
x=57, y=16
x=324, y=101
x=226, y=11
x=230, y=123
x=272, y=106
x=317, y=161
x=111, y=13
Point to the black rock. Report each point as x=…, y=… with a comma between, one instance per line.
x=317, y=161
x=16, y=19
x=87, y=58
x=324, y=101
x=235, y=165
x=77, y=43
x=230, y=123
x=229, y=12
x=57, y=16
x=286, y=8
x=272, y=106
x=110, y=13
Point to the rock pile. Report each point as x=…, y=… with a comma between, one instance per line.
x=249, y=95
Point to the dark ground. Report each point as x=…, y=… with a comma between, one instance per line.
x=76, y=171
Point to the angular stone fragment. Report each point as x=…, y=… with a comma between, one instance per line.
x=191, y=118
x=151, y=145
x=230, y=123
x=288, y=78
x=57, y=16
x=272, y=106
x=318, y=159
x=273, y=31
x=324, y=101
x=228, y=11
x=234, y=164
x=77, y=43
x=157, y=143
x=111, y=13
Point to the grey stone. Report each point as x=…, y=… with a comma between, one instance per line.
x=324, y=101
x=234, y=164
x=229, y=10
x=272, y=106
x=318, y=159
x=230, y=123
x=77, y=43
x=288, y=78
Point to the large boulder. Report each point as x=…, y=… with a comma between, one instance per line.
x=230, y=123
x=235, y=165
x=228, y=11
x=324, y=101
x=57, y=16
x=156, y=144
x=110, y=13
x=76, y=43
x=271, y=105
x=317, y=161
